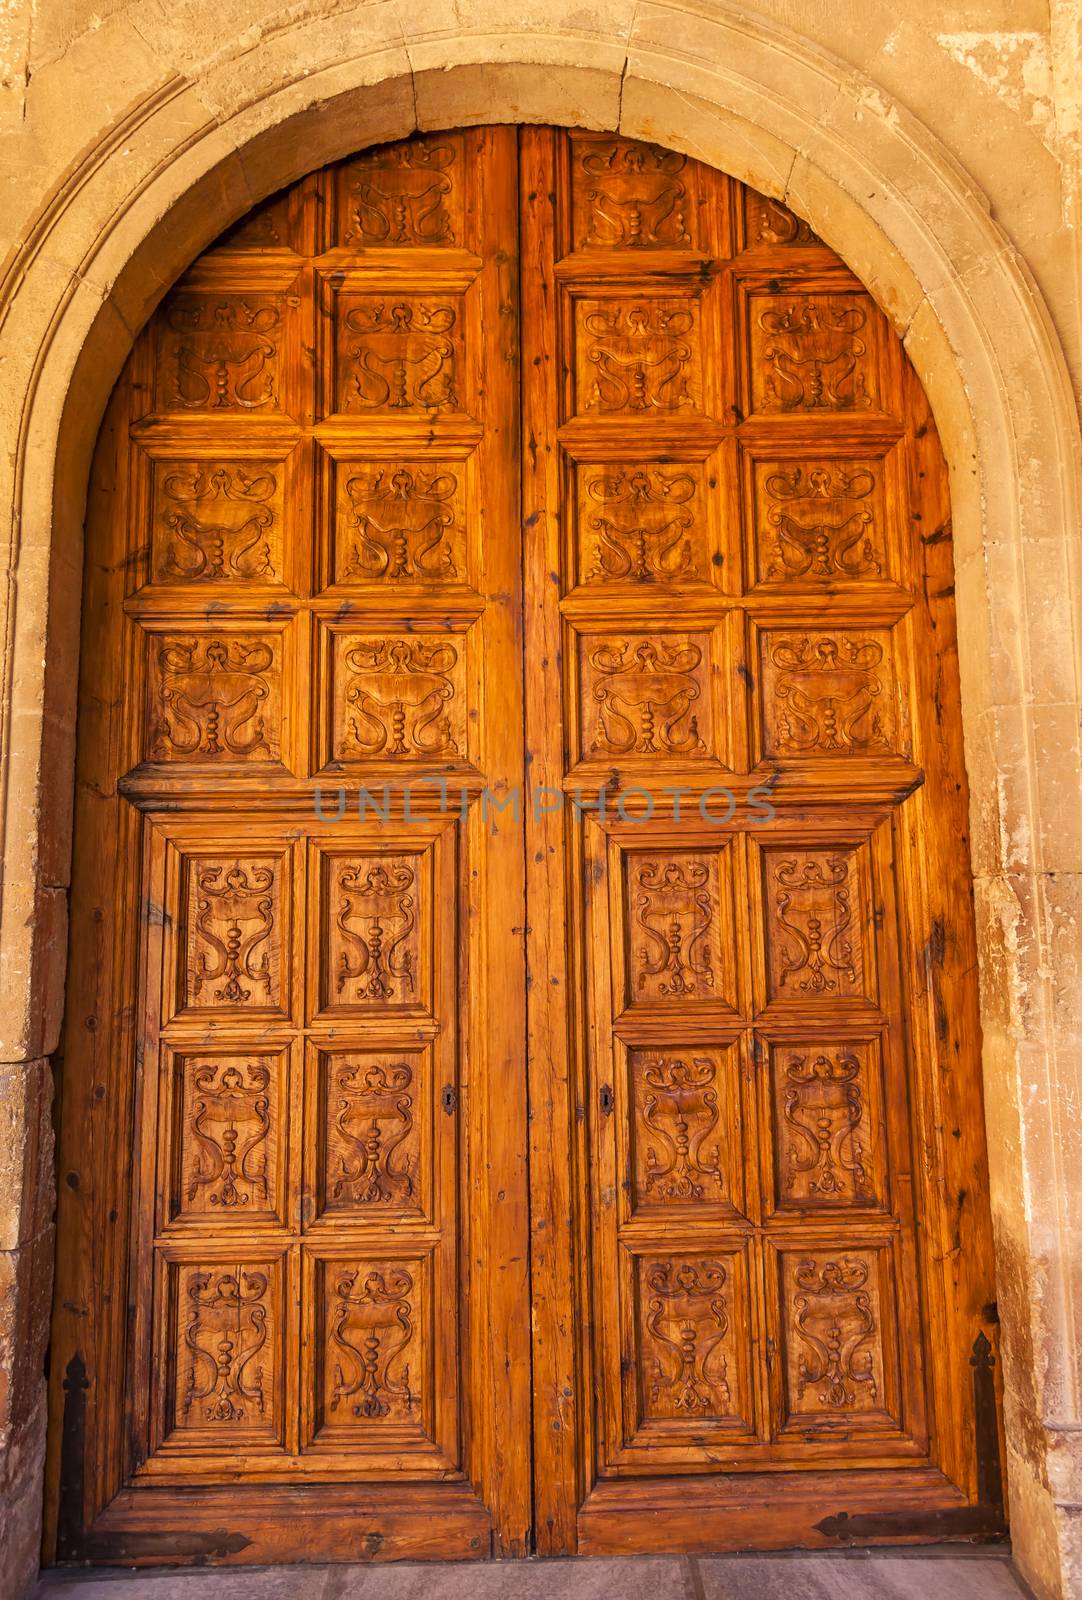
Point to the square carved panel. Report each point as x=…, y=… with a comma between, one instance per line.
x=234, y=937
x=371, y=1132
x=220, y=520
x=218, y=696
x=681, y=948
x=647, y=694
x=639, y=524
x=829, y=694
x=634, y=196
x=404, y=195
x=228, y=1114
x=692, y=1322
x=822, y=520
x=400, y=354
x=687, y=1137
x=818, y=928
x=398, y=522
x=373, y=933
x=813, y=353
x=397, y=697
x=638, y=356
x=227, y=351
x=829, y=1140
x=221, y=1359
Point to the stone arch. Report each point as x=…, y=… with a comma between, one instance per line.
x=190, y=153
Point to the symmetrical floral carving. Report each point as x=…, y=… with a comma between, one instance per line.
x=399, y=524
x=814, y=926
x=232, y=945
x=771, y=223
x=220, y=353
x=674, y=933
x=398, y=356
x=638, y=356
x=833, y=1322
x=685, y=1321
x=371, y=1328
x=217, y=524
x=811, y=354
x=818, y=523
x=214, y=697
x=647, y=696
x=227, y=1131
x=403, y=194
x=678, y=1157
x=400, y=698
x=641, y=525
x=225, y=1326
x=371, y=1133
x=628, y=194
x=827, y=694
x=824, y=1133
x=372, y=945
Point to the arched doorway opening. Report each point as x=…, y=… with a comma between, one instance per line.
x=522, y=562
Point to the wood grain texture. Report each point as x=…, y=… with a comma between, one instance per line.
x=493, y=1160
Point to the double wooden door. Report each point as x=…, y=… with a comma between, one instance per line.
x=520, y=1082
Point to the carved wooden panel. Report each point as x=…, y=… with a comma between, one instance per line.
x=767, y=223
x=816, y=908
x=226, y=352
x=821, y=520
x=219, y=520
x=829, y=694
x=639, y=356
x=647, y=694
x=400, y=354
x=634, y=196
x=828, y=1137
x=646, y=524
x=234, y=939
x=223, y=1357
x=837, y=1322
x=373, y=1136
x=687, y=1146
x=229, y=1111
x=399, y=522
x=374, y=932
x=399, y=697
x=403, y=195
x=217, y=695
x=812, y=353
x=681, y=945
x=691, y=1319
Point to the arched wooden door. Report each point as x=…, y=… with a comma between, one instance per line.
x=521, y=860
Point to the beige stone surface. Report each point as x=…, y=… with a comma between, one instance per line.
x=936, y=146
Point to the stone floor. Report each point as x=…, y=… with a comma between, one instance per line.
x=928, y=1574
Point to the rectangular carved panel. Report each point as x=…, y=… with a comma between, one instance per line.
x=229, y=1115
x=372, y=1133
x=217, y=696
x=839, y=1338
x=647, y=694
x=829, y=694
x=639, y=356
x=634, y=196
x=687, y=1145
x=816, y=908
x=692, y=1321
x=220, y=350
x=373, y=950
x=828, y=1135
x=398, y=522
x=681, y=945
x=646, y=524
x=234, y=938
x=822, y=520
x=221, y=1342
x=814, y=353
x=219, y=520
x=400, y=355
x=399, y=697
x=399, y=196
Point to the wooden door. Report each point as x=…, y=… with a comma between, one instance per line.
x=752, y=1012
x=479, y=714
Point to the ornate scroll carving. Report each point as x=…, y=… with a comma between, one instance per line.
x=644, y=692
x=404, y=526
x=640, y=356
x=221, y=353
x=827, y=694
x=812, y=354
x=833, y=1323
x=403, y=194
x=685, y=1322
x=401, y=698
x=641, y=525
x=629, y=195
x=814, y=926
x=217, y=524
x=372, y=1134
x=232, y=948
x=771, y=223
x=214, y=697
x=225, y=1326
x=228, y=1126
x=371, y=1328
x=374, y=946
x=824, y=1133
x=396, y=356
x=818, y=523
x=674, y=933
x=676, y=1101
